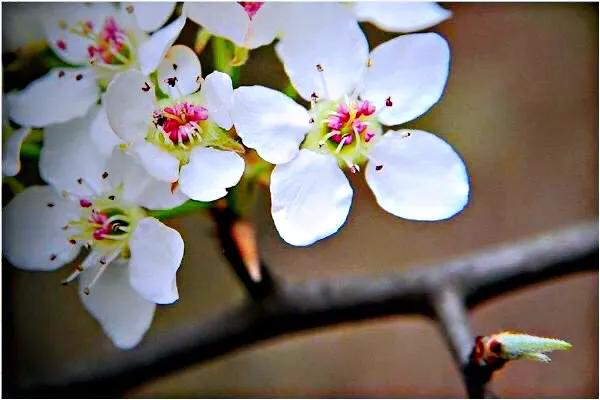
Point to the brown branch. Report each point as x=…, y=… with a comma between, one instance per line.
x=434, y=291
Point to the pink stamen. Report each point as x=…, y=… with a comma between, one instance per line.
x=110, y=41
x=61, y=44
x=350, y=120
x=251, y=7
x=85, y=203
x=180, y=120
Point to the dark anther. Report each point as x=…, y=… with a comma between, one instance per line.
x=102, y=261
x=160, y=121
x=80, y=181
x=378, y=167
x=104, y=175
x=388, y=102
x=61, y=74
x=171, y=81
x=319, y=68
x=79, y=77
x=314, y=96
x=129, y=9
x=198, y=78
x=496, y=347
x=50, y=205
x=72, y=241
x=111, y=197
x=64, y=228
x=175, y=67
x=146, y=87
x=86, y=291
x=311, y=121
x=52, y=257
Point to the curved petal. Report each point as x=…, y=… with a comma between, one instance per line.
x=417, y=177
x=399, y=16
x=69, y=46
x=60, y=95
x=156, y=253
x=310, y=198
x=226, y=19
x=129, y=102
x=182, y=64
x=160, y=164
x=210, y=172
x=217, y=92
x=152, y=51
x=11, y=152
x=124, y=315
x=102, y=134
x=152, y=15
x=32, y=229
x=269, y=122
x=328, y=35
x=412, y=70
x=139, y=187
x=69, y=154
x=266, y=24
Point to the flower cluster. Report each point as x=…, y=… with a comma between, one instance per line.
x=131, y=124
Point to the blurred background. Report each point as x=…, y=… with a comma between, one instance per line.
x=521, y=107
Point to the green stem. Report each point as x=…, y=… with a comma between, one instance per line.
x=31, y=150
x=14, y=184
x=223, y=54
x=188, y=207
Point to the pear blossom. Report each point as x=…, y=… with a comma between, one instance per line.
x=251, y=24
x=412, y=173
x=182, y=139
x=95, y=202
x=99, y=40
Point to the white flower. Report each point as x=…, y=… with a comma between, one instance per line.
x=413, y=174
x=99, y=34
x=182, y=139
x=248, y=24
x=132, y=259
x=251, y=24
x=12, y=139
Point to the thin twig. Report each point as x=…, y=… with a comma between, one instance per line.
x=296, y=307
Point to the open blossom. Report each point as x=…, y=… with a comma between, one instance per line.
x=413, y=174
x=182, y=139
x=94, y=200
x=100, y=40
x=251, y=24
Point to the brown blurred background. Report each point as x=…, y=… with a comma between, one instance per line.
x=521, y=107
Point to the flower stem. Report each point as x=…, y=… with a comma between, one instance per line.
x=188, y=207
x=14, y=184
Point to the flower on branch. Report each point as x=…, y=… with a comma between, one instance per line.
x=413, y=174
x=182, y=139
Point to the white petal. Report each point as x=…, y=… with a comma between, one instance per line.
x=62, y=17
x=102, y=134
x=11, y=152
x=326, y=34
x=310, y=198
x=210, y=172
x=159, y=163
x=399, y=16
x=129, y=105
x=181, y=63
x=412, y=70
x=139, y=187
x=226, y=19
x=124, y=315
x=156, y=253
x=152, y=15
x=152, y=51
x=56, y=97
x=69, y=154
x=269, y=122
x=217, y=92
x=32, y=234
x=422, y=177
x=266, y=24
